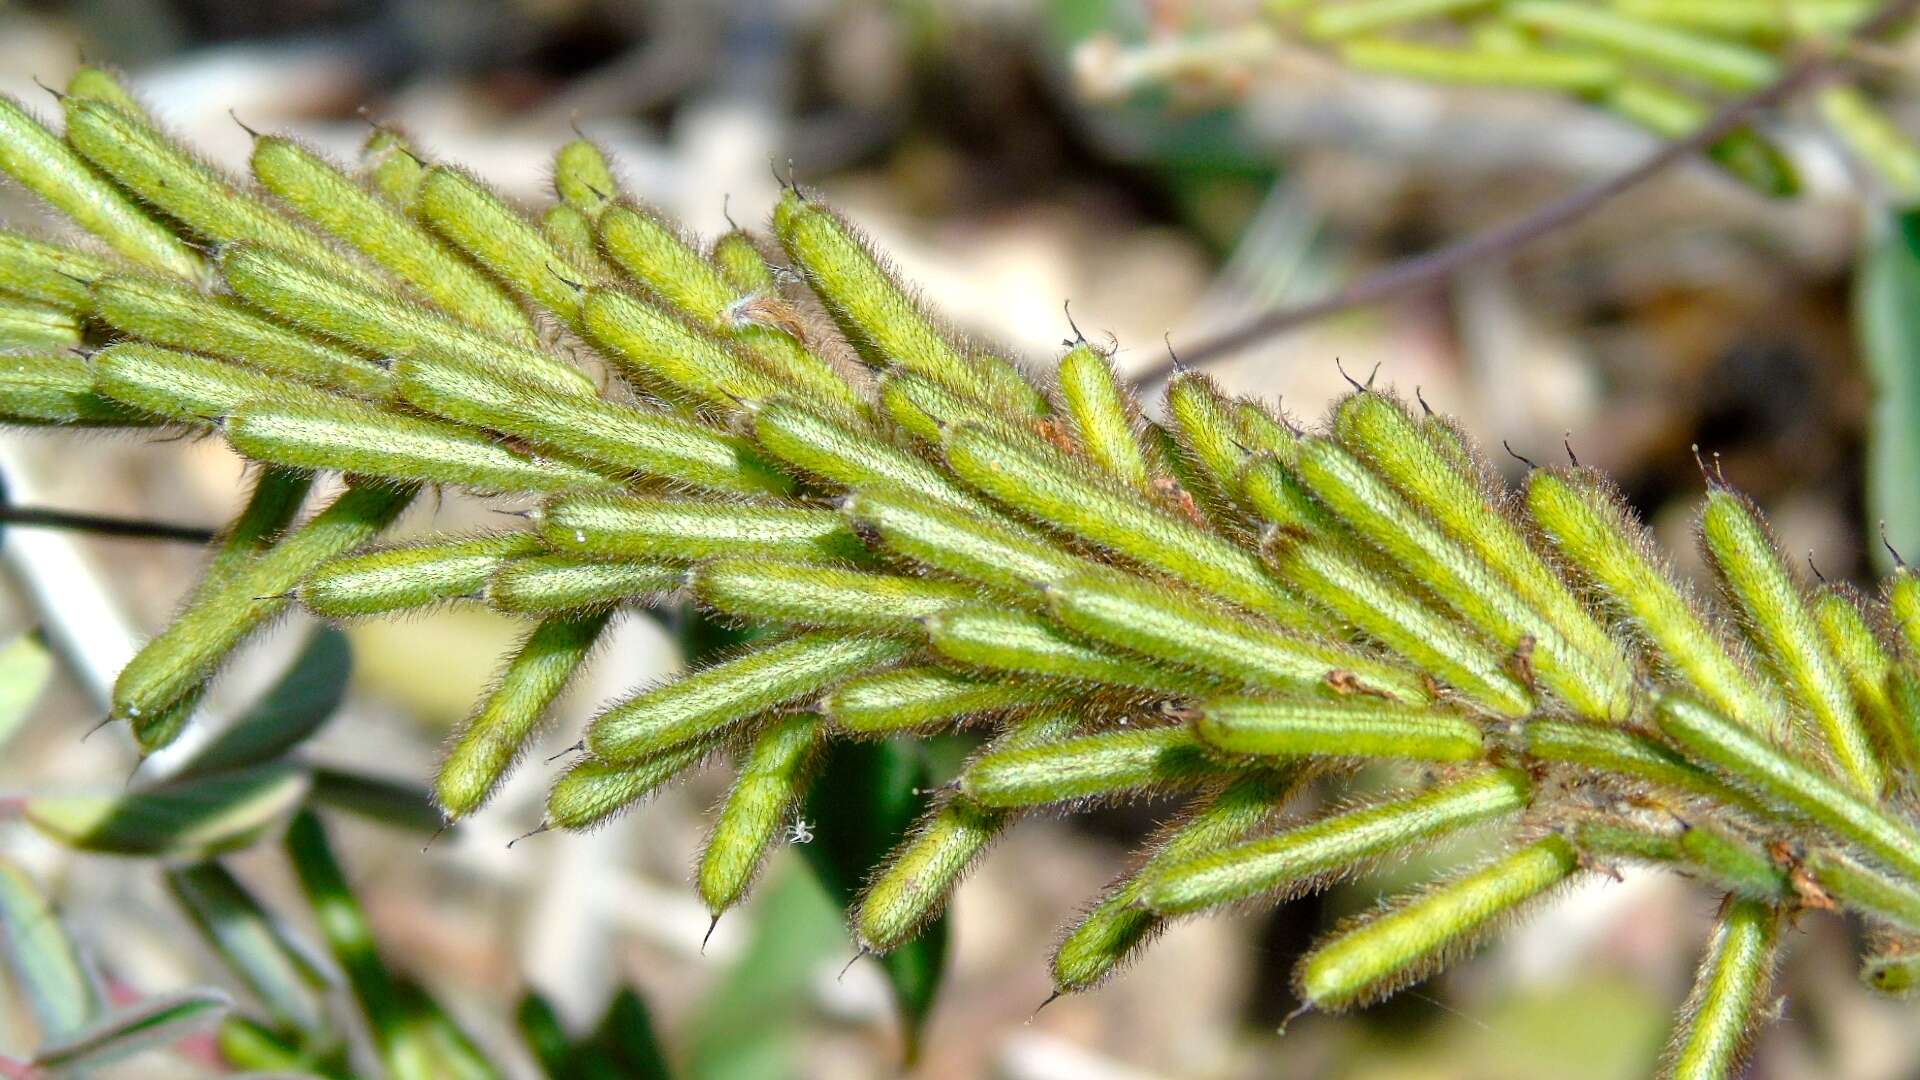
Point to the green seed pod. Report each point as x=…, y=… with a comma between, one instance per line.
x=1392, y=949
x=1861, y=888
x=1103, y=765
x=49, y=168
x=57, y=388
x=1734, y=864
x=831, y=449
x=659, y=256
x=1728, y=994
x=1334, y=728
x=762, y=590
x=774, y=776
x=49, y=273
x=28, y=324
x=884, y=322
x=572, y=232
x=367, y=441
x=911, y=698
x=1872, y=137
x=592, y=429
x=912, y=886
x=1903, y=604
x=1372, y=16
x=1000, y=639
x=715, y=698
x=1587, y=521
x=1784, y=782
x=591, y=792
x=318, y=190
x=1202, y=422
x=1299, y=859
x=557, y=584
x=393, y=168
x=584, y=179
x=1150, y=619
x=383, y=325
x=1608, y=749
x=737, y=256
x=1777, y=620
x=966, y=545
x=1058, y=490
x=1118, y=925
x=1535, y=70
x=152, y=166
x=631, y=527
x=1869, y=674
x=486, y=747
x=662, y=353
x=1102, y=414
x=1274, y=493
x=464, y=211
x=1722, y=64
x=100, y=84
x=191, y=389
x=1610, y=840
x=1265, y=431
x=411, y=575
x=926, y=409
x=1893, y=969
x=221, y=616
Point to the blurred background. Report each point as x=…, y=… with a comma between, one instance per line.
x=1009, y=155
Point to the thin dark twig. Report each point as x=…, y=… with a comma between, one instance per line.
x=1441, y=263
x=35, y=517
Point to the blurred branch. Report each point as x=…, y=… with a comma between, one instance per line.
x=133, y=528
x=1438, y=265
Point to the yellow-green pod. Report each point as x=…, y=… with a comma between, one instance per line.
x=633, y=527
x=410, y=575
x=1299, y=859
x=882, y=320
x=1903, y=605
x=1537, y=69
x=319, y=191
x=50, y=168
x=1735, y=864
x=39, y=388
x=1386, y=951
x=761, y=590
x=152, y=166
x=967, y=545
x=1722, y=64
x=774, y=775
x=1874, y=138
x=1729, y=995
x=926, y=409
x=1265, y=430
x=1744, y=153
x=1371, y=16
x=392, y=168
x=1119, y=762
x=927, y=698
x=1777, y=619
x=1309, y=728
x=192, y=389
x=1892, y=968
x=49, y=273
x=830, y=448
x=1858, y=887
x=494, y=735
x=1594, y=531
x=1739, y=18
x=1611, y=749
x=737, y=256
x=592, y=792
x=1103, y=415
x=557, y=584
x=1275, y=494
x=498, y=238
x=1000, y=639
x=572, y=232
x=378, y=323
x=719, y=696
x=1201, y=419
x=174, y=313
x=30, y=324
x=583, y=178
x=662, y=353
x=1152, y=620
x=659, y=256
x=1869, y=673
x=219, y=618
x=100, y=84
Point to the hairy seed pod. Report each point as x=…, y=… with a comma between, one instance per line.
x=49, y=168
x=1893, y=968
x=556, y=584
x=466, y=212
x=1864, y=889
x=1903, y=604
x=191, y=389
x=1275, y=494
x=572, y=232
x=488, y=744
x=29, y=324
x=1109, y=763
x=1734, y=863
x=1609, y=749
x=1372, y=16
x=832, y=449
x=1868, y=669
x=49, y=273
x=1752, y=763
x=1723, y=64
x=57, y=388
x=367, y=441
x=1728, y=994
x=1117, y=925
x=393, y=168
x=100, y=84
x=659, y=256
x=927, y=409
x=1000, y=639
x=1612, y=840
x=912, y=886
x=1058, y=491
x=1202, y=422
x=583, y=178
x=1102, y=415
x=632, y=527
x=1150, y=619
x=149, y=164
x=1265, y=431
x=1594, y=530
x=1334, y=728
x=179, y=315
x=1777, y=619
x=410, y=575
x=662, y=353
x=1389, y=950
x=1582, y=73
x=382, y=325
x=812, y=594
x=592, y=429
x=739, y=260
x=721, y=695
x=220, y=617
x=1300, y=857
x=966, y=545
x=910, y=698
x=319, y=191
x=884, y=322
x=774, y=776
x=592, y=792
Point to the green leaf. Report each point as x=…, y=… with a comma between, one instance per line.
x=399, y=803
x=156, y=1021
x=25, y=666
x=1886, y=309
x=864, y=801
x=45, y=964
x=289, y=713
x=625, y=1039
x=251, y=940
x=182, y=819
